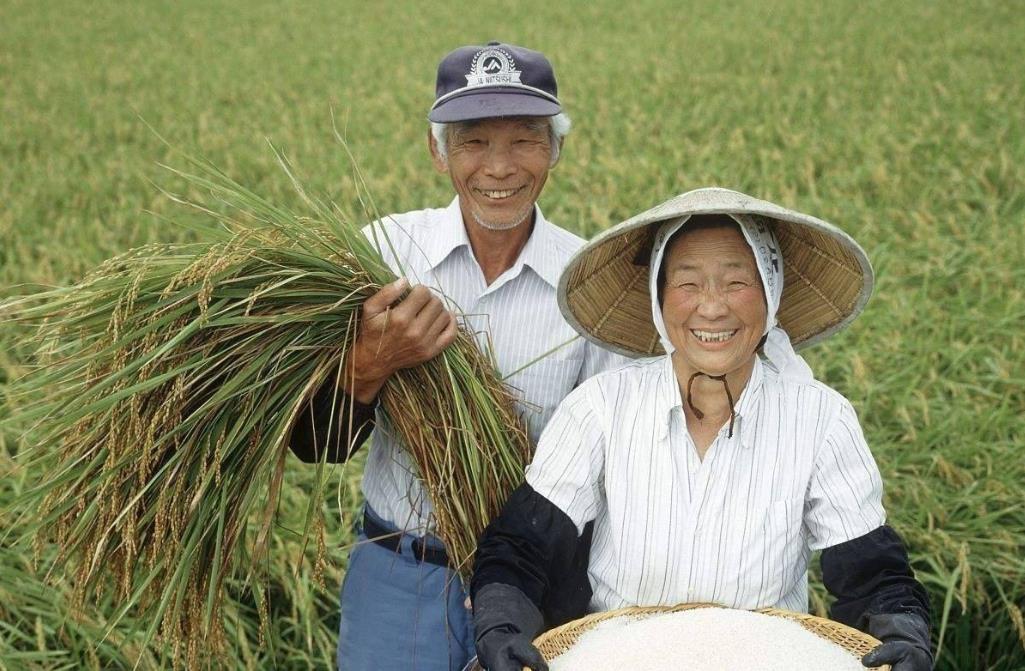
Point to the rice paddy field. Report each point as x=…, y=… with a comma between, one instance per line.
x=900, y=122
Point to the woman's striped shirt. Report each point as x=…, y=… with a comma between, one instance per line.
x=736, y=528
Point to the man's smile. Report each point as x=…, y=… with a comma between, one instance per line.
x=499, y=194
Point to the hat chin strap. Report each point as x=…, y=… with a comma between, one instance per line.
x=729, y=397
x=725, y=385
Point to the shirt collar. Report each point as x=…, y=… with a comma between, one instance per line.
x=746, y=407
x=539, y=254
x=450, y=235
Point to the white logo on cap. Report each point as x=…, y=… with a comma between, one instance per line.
x=492, y=67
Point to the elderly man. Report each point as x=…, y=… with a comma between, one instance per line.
x=497, y=128
x=711, y=472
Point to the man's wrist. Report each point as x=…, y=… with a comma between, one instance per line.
x=361, y=384
x=365, y=391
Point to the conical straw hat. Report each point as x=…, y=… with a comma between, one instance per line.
x=603, y=292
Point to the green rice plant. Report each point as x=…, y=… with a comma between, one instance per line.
x=899, y=121
x=37, y=627
x=165, y=387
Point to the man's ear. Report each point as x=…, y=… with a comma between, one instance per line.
x=562, y=143
x=440, y=164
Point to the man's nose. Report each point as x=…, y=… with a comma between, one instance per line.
x=498, y=163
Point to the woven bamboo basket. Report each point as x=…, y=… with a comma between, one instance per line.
x=556, y=641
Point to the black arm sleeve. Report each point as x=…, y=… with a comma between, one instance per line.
x=533, y=545
x=871, y=575
x=339, y=427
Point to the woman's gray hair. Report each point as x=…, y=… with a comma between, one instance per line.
x=558, y=128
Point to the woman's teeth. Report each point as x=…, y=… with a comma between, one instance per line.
x=713, y=336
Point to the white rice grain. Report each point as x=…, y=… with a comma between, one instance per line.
x=702, y=639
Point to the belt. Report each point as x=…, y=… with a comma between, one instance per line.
x=392, y=540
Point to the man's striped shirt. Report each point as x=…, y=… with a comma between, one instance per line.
x=516, y=318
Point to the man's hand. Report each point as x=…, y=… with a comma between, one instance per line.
x=395, y=336
x=506, y=622
x=905, y=644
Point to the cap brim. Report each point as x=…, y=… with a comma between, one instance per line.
x=491, y=103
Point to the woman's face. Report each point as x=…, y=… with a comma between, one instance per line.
x=713, y=303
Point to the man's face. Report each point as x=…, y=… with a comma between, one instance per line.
x=713, y=303
x=498, y=167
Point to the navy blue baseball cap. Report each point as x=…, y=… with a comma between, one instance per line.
x=495, y=80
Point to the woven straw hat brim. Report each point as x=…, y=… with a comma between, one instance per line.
x=603, y=292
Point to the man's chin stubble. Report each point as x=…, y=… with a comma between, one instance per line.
x=501, y=226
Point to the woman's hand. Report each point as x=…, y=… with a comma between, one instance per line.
x=506, y=622
x=905, y=642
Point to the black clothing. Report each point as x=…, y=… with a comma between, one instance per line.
x=906, y=645
x=533, y=545
x=871, y=575
x=505, y=622
x=349, y=420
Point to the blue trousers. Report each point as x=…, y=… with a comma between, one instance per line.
x=400, y=614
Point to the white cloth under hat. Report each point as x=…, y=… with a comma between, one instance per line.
x=778, y=350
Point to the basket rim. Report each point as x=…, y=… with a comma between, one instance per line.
x=806, y=620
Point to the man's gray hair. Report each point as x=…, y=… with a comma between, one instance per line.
x=558, y=128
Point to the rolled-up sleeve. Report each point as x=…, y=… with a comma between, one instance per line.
x=844, y=499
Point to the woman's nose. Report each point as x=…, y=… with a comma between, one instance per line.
x=713, y=304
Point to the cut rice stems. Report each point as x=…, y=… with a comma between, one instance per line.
x=166, y=385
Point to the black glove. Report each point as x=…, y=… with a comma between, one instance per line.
x=905, y=644
x=506, y=622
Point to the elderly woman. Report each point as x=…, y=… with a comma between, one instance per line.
x=710, y=473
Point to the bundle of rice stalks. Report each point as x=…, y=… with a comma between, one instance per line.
x=167, y=384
